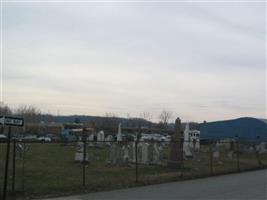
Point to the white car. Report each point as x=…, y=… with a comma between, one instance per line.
x=3, y=137
x=44, y=139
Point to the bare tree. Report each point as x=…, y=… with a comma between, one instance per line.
x=110, y=115
x=164, y=117
x=128, y=122
x=110, y=120
x=5, y=110
x=128, y=115
x=146, y=115
x=31, y=114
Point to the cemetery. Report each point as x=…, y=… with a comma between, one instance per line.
x=103, y=162
x=99, y=161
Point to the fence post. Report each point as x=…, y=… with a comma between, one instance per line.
x=14, y=166
x=23, y=166
x=6, y=165
x=258, y=158
x=182, y=152
x=211, y=158
x=237, y=156
x=84, y=156
x=136, y=163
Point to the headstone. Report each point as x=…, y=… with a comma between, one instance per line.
x=227, y=145
x=176, y=153
x=79, y=154
x=144, y=150
x=230, y=155
x=250, y=149
x=261, y=148
x=91, y=137
x=216, y=155
x=125, y=152
x=112, y=154
x=156, y=154
x=91, y=140
x=197, y=146
x=115, y=156
x=139, y=153
x=100, y=138
x=151, y=153
x=220, y=162
x=186, y=144
x=108, y=140
x=187, y=151
x=119, y=135
x=132, y=158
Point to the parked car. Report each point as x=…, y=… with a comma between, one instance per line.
x=3, y=137
x=30, y=138
x=53, y=137
x=44, y=139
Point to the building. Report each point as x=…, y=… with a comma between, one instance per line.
x=54, y=129
x=246, y=128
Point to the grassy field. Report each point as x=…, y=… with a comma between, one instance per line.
x=49, y=169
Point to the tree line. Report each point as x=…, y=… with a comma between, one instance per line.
x=32, y=114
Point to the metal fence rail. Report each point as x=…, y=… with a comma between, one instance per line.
x=57, y=168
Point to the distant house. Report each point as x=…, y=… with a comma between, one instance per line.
x=54, y=129
x=246, y=128
x=43, y=129
x=73, y=125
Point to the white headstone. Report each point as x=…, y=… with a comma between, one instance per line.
x=91, y=140
x=261, y=148
x=132, y=152
x=187, y=151
x=125, y=151
x=186, y=144
x=216, y=155
x=101, y=136
x=91, y=137
x=156, y=154
x=79, y=154
x=250, y=149
x=109, y=140
x=144, y=157
x=119, y=135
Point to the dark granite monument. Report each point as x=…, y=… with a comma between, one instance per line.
x=176, y=154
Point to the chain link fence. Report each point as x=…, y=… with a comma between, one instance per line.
x=40, y=169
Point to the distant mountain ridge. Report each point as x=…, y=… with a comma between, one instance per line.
x=95, y=119
x=100, y=120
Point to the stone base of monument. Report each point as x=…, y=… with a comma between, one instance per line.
x=79, y=157
x=175, y=164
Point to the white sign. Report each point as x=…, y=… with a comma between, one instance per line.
x=11, y=121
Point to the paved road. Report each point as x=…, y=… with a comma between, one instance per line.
x=249, y=185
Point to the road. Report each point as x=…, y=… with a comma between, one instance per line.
x=248, y=185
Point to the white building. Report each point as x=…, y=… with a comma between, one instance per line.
x=191, y=141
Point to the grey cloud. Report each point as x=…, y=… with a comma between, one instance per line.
x=137, y=57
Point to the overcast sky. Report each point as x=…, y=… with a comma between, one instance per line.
x=202, y=61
